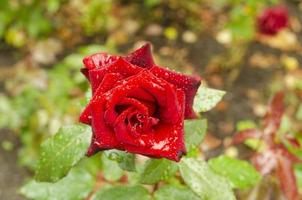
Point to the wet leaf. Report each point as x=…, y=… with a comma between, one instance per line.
x=111, y=169
x=175, y=192
x=241, y=174
x=207, y=98
x=195, y=131
x=75, y=186
x=125, y=160
x=206, y=183
x=61, y=152
x=156, y=170
x=136, y=192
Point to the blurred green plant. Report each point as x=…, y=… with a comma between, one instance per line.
x=97, y=17
x=40, y=102
x=24, y=22
x=22, y=19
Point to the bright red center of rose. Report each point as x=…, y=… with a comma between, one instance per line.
x=139, y=121
x=140, y=124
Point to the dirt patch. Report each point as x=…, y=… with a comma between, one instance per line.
x=11, y=175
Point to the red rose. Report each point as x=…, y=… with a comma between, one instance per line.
x=137, y=106
x=272, y=20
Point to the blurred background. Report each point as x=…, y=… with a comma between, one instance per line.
x=42, y=44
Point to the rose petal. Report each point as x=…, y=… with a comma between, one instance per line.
x=168, y=142
x=107, y=83
x=85, y=72
x=103, y=136
x=141, y=57
x=122, y=133
x=189, y=84
x=121, y=66
x=162, y=91
x=111, y=113
x=98, y=60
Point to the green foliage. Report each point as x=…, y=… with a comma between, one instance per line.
x=245, y=124
x=61, y=152
x=75, y=186
x=207, y=98
x=298, y=173
x=195, y=131
x=241, y=24
x=206, y=183
x=11, y=119
x=20, y=20
x=125, y=160
x=299, y=113
x=175, y=192
x=136, y=192
x=156, y=170
x=96, y=18
x=241, y=174
x=111, y=169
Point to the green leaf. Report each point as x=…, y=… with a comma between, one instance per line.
x=156, y=170
x=204, y=181
x=174, y=192
x=206, y=98
x=241, y=174
x=97, y=195
x=195, y=131
x=255, y=144
x=299, y=113
x=75, y=186
x=125, y=160
x=123, y=193
x=241, y=24
x=111, y=169
x=61, y=152
x=298, y=174
x=245, y=124
x=285, y=125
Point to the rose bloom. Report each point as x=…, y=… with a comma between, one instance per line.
x=137, y=106
x=272, y=20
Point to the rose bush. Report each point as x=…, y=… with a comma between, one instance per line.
x=136, y=105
